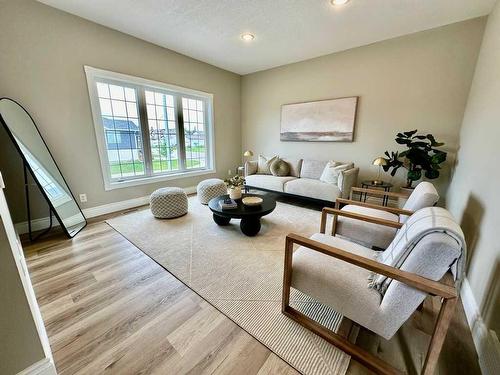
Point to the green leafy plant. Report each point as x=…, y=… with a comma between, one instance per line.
x=422, y=156
x=235, y=181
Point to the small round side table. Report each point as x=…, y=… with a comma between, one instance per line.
x=370, y=184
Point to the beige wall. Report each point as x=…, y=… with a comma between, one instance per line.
x=473, y=196
x=416, y=81
x=20, y=345
x=43, y=51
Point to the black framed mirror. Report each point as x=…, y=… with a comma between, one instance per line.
x=38, y=160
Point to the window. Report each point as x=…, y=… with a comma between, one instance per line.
x=148, y=131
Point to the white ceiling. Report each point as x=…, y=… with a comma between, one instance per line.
x=285, y=31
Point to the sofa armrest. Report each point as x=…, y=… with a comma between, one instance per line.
x=251, y=167
x=347, y=179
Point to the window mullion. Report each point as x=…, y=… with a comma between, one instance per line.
x=146, y=142
x=180, y=131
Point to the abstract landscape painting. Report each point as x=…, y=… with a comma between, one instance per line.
x=321, y=121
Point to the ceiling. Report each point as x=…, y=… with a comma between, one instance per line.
x=285, y=31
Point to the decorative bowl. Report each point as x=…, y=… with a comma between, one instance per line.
x=252, y=201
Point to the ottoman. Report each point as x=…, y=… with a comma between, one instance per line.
x=211, y=188
x=169, y=202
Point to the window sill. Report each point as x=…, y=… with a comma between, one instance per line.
x=151, y=180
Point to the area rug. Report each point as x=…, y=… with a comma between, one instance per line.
x=242, y=276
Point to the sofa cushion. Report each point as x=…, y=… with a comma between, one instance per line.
x=308, y=187
x=336, y=283
x=367, y=234
x=268, y=182
x=279, y=167
x=312, y=168
x=264, y=166
x=295, y=166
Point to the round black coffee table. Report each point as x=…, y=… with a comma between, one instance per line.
x=249, y=215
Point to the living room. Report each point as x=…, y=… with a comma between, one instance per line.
x=127, y=125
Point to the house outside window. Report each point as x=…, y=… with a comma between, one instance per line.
x=149, y=131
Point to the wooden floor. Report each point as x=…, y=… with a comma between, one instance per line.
x=109, y=308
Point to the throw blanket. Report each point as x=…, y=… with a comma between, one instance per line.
x=420, y=224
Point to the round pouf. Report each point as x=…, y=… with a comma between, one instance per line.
x=211, y=188
x=169, y=202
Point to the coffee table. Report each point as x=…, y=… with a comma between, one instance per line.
x=249, y=215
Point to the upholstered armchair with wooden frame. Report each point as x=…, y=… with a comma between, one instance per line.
x=335, y=272
x=375, y=235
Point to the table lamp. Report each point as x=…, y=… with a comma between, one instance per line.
x=380, y=161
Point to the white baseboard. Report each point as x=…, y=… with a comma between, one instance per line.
x=42, y=223
x=42, y=367
x=485, y=341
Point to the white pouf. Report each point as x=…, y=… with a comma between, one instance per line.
x=169, y=202
x=211, y=188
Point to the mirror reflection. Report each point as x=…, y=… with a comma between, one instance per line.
x=44, y=170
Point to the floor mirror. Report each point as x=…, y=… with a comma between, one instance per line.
x=40, y=164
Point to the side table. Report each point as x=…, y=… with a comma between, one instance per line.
x=369, y=184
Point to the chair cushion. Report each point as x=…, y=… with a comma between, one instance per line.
x=422, y=223
x=307, y=187
x=312, y=168
x=424, y=195
x=268, y=182
x=367, y=234
x=334, y=282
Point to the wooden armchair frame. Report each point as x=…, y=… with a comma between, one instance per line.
x=336, y=212
x=443, y=289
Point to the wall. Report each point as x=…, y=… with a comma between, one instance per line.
x=416, y=81
x=20, y=345
x=473, y=194
x=41, y=66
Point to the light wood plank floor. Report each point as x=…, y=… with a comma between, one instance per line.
x=109, y=308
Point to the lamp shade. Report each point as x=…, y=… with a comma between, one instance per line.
x=247, y=153
x=380, y=161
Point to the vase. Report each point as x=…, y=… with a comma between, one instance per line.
x=235, y=193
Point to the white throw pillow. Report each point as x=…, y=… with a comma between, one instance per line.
x=332, y=171
x=264, y=165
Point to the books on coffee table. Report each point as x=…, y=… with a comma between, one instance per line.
x=228, y=204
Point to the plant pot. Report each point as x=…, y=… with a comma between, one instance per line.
x=235, y=193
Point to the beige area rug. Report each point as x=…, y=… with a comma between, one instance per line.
x=242, y=276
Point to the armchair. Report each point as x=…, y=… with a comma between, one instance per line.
x=335, y=272
x=372, y=234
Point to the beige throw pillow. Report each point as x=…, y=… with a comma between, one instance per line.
x=280, y=168
x=264, y=166
x=332, y=171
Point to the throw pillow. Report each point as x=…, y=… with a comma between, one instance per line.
x=332, y=171
x=264, y=166
x=295, y=165
x=279, y=167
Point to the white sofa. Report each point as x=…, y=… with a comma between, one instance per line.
x=304, y=180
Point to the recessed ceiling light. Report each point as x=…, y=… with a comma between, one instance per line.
x=247, y=37
x=339, y=2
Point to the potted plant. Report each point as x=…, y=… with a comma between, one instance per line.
x=234, y=185
x=421, y=157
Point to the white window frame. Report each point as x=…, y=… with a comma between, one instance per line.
x=93, y=75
